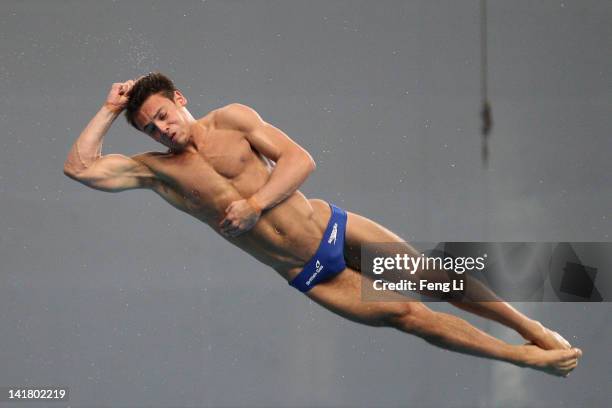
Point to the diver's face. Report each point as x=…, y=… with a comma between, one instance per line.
x=164, y=120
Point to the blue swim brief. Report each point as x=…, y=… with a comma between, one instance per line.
x=328, y=261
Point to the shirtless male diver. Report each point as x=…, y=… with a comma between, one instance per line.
x=240, y=175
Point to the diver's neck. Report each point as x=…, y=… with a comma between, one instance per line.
x=197, y=136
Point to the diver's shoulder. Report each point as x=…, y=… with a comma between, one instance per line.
x=231, y=115
x=209, y=119
x=235, y=115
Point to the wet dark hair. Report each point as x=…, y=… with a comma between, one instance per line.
x=147, y=85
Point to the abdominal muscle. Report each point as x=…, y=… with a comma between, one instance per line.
x=285, y=237
x=288, y=235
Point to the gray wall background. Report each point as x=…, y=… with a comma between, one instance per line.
x=131, y=303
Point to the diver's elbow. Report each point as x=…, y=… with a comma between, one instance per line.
x=311, y=165
x=70, y=171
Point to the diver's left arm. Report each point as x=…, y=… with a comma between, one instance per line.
x=293, y=165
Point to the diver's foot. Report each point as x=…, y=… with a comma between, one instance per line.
x=554, y=362
x=545, y=338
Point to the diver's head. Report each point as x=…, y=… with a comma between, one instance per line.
x=157, y=108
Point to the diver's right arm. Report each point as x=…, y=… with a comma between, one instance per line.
x=113, y=172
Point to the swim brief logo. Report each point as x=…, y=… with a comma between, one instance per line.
x=318, y=268
x=334, y=233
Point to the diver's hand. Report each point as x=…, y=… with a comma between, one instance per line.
x=240, y=216
x=118, y=96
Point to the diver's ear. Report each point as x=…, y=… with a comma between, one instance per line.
x=180, y=98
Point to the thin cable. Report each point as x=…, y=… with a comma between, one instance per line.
x=485, y=113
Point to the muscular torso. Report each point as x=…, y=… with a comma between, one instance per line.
x=225, y=169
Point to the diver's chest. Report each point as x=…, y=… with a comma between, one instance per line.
x=210, y=172
x=228, y=154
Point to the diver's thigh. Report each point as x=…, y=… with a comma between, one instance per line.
x=342, y=295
